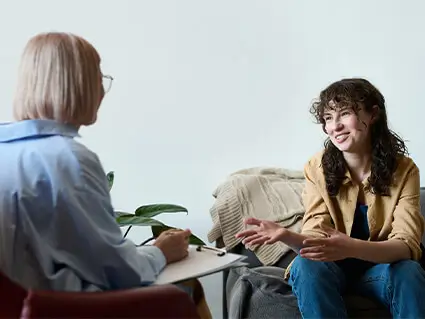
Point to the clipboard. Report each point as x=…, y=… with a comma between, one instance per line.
x=197, y=264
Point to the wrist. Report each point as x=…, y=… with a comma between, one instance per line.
x=162, y=250
x=354, y=248
x=283, y=234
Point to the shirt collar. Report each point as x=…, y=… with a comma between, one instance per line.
x=348, y=178
x=35, y=128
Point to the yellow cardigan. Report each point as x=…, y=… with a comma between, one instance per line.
x=389, y=217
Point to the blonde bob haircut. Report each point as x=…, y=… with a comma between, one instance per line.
x=59, y=78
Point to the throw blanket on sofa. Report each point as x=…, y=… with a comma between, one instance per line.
x=265, y=193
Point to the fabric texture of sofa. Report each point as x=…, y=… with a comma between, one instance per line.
x=256, y=291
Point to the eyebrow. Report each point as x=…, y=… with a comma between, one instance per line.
x=342, y=108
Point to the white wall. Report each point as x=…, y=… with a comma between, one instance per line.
x=203, y=88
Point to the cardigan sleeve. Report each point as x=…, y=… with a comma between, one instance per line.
x=408, y=222
x=316, y=211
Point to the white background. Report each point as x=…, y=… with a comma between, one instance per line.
x=203, y=88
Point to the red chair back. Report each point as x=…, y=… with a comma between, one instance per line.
x=12, y=298
x=149, y=302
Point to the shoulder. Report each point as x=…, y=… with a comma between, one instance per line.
x=406, y=164
x=66, y=162
x=406, y=168
x=315, y=161
x=70, y=160
x=313, y=168
x=88, y=167
x=86, y=159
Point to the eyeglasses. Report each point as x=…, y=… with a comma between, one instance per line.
x=107, y=82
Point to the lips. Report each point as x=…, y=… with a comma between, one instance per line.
x=340, y=138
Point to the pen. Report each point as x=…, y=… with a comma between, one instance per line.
x=219, y=251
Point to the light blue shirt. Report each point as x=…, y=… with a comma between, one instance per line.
x=57, y=225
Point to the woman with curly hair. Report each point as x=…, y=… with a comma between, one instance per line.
x=363, y=226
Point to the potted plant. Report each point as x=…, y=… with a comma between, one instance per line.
x=144, y=216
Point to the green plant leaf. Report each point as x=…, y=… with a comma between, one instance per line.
x=156, y=209
x=194, y=240
x=119, y=213
x=158, y=229
x=143, y=215
x=110, y=176
x=133, y=220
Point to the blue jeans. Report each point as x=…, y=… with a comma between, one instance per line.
x=319, y=287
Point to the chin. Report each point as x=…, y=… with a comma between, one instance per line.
x=343, y=147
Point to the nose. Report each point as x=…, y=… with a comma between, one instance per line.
x=338, y=126
x=334, y=125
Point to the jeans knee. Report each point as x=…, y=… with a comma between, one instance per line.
x=407, y=272
x=306, y=269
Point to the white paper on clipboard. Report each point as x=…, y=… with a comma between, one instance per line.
x=198, y=264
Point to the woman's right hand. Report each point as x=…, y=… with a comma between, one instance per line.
x=265, y=232
x=174, y=244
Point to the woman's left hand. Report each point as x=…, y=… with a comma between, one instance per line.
x=335, y=247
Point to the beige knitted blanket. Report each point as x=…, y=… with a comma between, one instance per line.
x=260, y=192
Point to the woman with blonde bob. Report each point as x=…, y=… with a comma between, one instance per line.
x=57, y=225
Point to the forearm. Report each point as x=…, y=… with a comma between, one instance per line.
x=380, y=252
x=293, y=240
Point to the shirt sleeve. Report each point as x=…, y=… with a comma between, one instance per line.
x=408, y=222
x=94, y=240
x=316, y=211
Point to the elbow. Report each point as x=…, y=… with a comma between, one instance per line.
x=314, y=233
x=409, y=248
x=415, y=252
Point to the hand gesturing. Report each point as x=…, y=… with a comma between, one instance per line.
x=265, y=232
x=335, y=247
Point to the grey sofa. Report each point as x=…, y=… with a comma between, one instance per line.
x=357, y=306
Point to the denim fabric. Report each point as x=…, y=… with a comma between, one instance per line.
x=319, y=287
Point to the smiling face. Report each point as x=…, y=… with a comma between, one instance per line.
x=348, y=130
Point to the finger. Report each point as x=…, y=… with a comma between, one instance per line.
x=169, y=231
x=271, y=240
x=186, y=233
x=322, y=259
x=313, y=249
x=253, y=221
x=249, y=239
x=314, y=256
x=186, y=242
x=315, y=242
x=260, y=240
x=166, y=233
x=245, y=233
x=181, y=233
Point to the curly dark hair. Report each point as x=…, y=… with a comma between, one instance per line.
x=387, y=146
